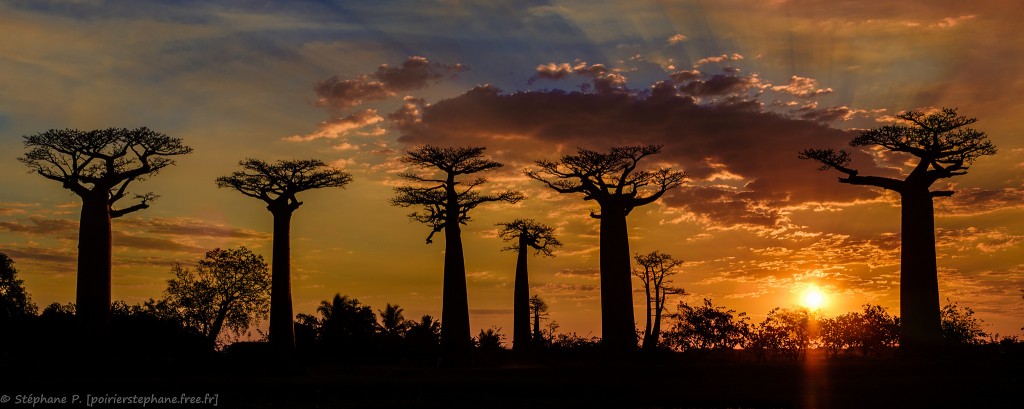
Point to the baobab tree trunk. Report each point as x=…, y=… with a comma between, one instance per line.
x=521, y=302
x=659, y=306
x=282, y=327
x=647, y=321
x=455, y=338
x=617, y=325
x=92, y=298
x=919, y=284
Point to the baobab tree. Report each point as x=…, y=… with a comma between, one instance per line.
x=538, y=311
x=657, y=267
x=98, y=166
x=526, y=234
x=445, y=200
x=614, y=182
x=944, y=146
x=277, y=184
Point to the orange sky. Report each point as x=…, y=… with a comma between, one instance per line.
x=732, y=89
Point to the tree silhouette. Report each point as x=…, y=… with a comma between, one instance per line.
x=345, y=324
x=527, y=234
x=657, y=267
x=707, y=327
x=943, y=145
x=445, y=202
x=613, y=181
x=277, y=184
x=538, y=311
x=15, y=302
x=227, y=288
x=98, y=166
x=392, y=321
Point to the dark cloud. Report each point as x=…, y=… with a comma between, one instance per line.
x=588, y=273
x=40, y=254
x=188, y=227
x=717, y=85
x=756, y=150
x=970, y=201
x=416, y=72
x=603, y=80
x=490, y=311
x=121, y=239
x=39, y=225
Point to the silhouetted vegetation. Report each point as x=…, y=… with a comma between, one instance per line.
x=98, y=166
x=445, y=200
x=870, y=332
x=227, y=289
x=526, y=234
x=15, y=302
x=614, y=182
x=944, y=146
x=276, y=185
x=707, y=327
x=657, y=267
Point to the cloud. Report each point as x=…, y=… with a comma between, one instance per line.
x=47, y=255
x=603, y=80
x=340, y=126
x=757, y=148
x=975, y=201
x=127, y=240
x=950, y=22
x=802, y=87
x=588, y=273
x=40, y=225
x=717, y=58
x=416, y=72
x=189, y=227
x=676, y=39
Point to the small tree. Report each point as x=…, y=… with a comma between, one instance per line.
x=445, y=200
x=346, y=326
x=98, y=166
x=707, y=327
x=657, y=267
x=227, y=289
x=392, y=322
x=15, y=303
x=276, y=185
x=527, y=234
x=613, y=181
x=538, y=311
x=960, y=326
x=785, y=332
x=943, y=146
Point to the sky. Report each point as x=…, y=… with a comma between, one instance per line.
x=732, y=90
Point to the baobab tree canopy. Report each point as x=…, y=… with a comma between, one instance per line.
x=443, y=198
x=277, y=183
x=610, y=177
x=102, y=161
x=942, y=141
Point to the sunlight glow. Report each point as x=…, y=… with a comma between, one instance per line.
x=813, y=298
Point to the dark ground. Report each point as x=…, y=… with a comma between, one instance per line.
x=982, y=381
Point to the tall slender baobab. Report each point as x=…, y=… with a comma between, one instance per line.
x=277, y=184
x=446, y=201
x=613, y=181
x=943, y=145
x=657, y=267
x=527, y=234
x=98, y=166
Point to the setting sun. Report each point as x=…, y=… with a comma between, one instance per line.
x=813, y=298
